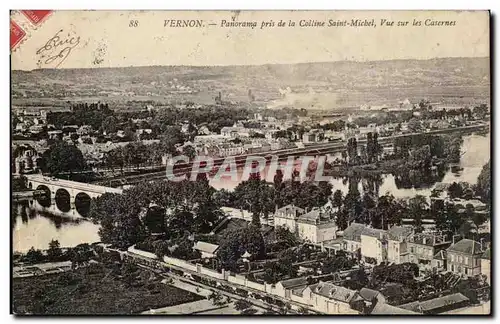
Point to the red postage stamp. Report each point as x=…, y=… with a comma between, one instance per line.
x=36, y=17
x=16, y=34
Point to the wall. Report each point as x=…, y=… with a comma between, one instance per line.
x=211, y=273
x=319, y=303
x=285, y=222
x=394, y=251
x=256, y=286
x=371, y=247
x=308, y=232
x=352, y=246
x=179, y=263
x=459, y=262
x=327, y=232
x=238, y=279
x=486, y=269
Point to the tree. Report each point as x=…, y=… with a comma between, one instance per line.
x=483, y=186
x=303, y=311
x=242, y=305
x=236, y=242
x=54, y=252
x=284, y=235
x=417, y=207
x=216, y=298
x=337, y=198
x=439, y=211
x=33, y=256
x=189, y=151
x=342, y=219
x=455, y=190
x=63, y=157
x=414, y=125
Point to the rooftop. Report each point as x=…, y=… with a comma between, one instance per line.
x=386, y=309
x=368, y=294
x=441, y=255
x=290, y=209
x=487, y=254
x=399, y=233
x=294, y=282
x=353, y=232
x=206, y=247
x=332, y=291
x=435, y=303
x=466, y=246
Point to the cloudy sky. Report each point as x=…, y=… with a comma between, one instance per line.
x=106, y=40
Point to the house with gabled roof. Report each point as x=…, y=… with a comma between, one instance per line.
x=352, y=237
x=424, y=246
x=438, y=305
x=397, y=249
x=316, y=226
x=332, y=299
x=287, y=217
x=464, y=257
x=374, y=244
x=284, y=287
x=207, y=250
x=439, y=260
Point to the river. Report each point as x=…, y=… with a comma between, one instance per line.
x=32, y=229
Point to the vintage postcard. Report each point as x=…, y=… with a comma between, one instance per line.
x=250, y=162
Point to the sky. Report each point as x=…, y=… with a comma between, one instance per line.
x=106, y=38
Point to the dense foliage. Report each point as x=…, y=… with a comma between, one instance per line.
x=171, y=209
x=63, y=157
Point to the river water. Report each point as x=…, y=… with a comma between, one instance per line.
x=31, y=228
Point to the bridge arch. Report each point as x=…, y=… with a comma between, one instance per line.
x=63, y=200
x=43, y=195
x=82, y=203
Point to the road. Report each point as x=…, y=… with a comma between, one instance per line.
x=257, y=303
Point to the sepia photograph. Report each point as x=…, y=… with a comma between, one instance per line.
x=250, y=163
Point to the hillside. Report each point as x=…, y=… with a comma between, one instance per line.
x=306, y=85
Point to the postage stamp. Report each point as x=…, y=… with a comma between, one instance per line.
x=36, y=17
x=16, y=34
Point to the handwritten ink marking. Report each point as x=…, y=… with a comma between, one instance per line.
x=57, y=48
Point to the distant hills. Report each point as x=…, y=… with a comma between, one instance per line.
x=325, y=85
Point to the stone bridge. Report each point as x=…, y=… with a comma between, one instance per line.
x=69, y=192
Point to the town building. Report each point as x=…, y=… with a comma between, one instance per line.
x=424, y=246
x=464, y=257
x=207, y=250
x=397, y=249
x=284, y=288
x=352, y=237
x=438, y=305
x=332, y=299
x=235, y=131
x=486, y=265
x=439, y=260
x=287, y=217
x=313, y=136
x=316, y=226
x=374, y=245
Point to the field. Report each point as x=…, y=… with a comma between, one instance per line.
x=100, y=291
